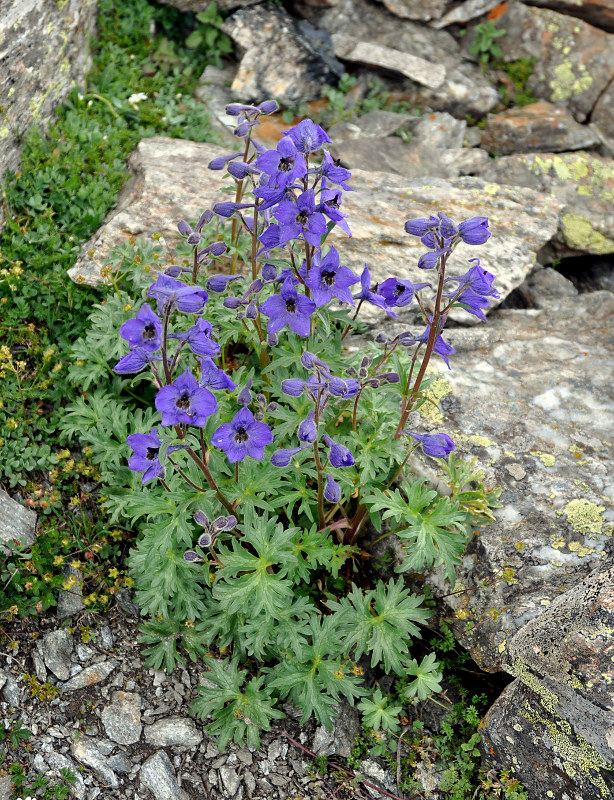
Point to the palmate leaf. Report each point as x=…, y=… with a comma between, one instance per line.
x=377, y=714
x=315, y=548
x=427, y=677
x=286, y=632
x=380, y=622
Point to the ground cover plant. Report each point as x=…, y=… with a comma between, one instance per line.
x=261, y=459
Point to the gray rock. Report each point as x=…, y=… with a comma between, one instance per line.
x=89, y=676
x=440, y=130
x=11, y=691
x=57, y=649
x=120, y=763
x=339, y=741
x=583, y=183
x=545, y=288
x=58, y=761
x=508, y=404
x=70, y=601
x=464, y=161
x=390, y=154
x=538, y=127
x=575, y=61
x=421, y=10
x=603, y=112
x=230, y=781
x=281, y=58
x=173, y=732
x=85, y=749
x=6, y=788
x=125, y=597
x=214, y=90
x=596, y=12
x=39, y=666
x=106, y=637
x=157, y=775
x=373, y=123
x=200, y=5
x=84, y=653
x=16, y=521
x=464, y=12
x=122, y=718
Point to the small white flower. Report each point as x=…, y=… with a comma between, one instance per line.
x=137, y=98
x=80, y=98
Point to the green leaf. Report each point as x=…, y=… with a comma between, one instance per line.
x=377, y=714
x=427, y=677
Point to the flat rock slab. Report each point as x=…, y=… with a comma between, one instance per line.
x=171, y=182
x=173, y=732
x=57, y=647
x=158, y=775
x=582, y=182
x=89, y=676
x=538, y=127
x=86, y=750
x=421, y=10
x=530, y=397
x=597, y=12
x=122, y=718
x=16, y=521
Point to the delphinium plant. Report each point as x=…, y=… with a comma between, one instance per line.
x=276, y=454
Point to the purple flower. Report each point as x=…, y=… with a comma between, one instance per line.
x=289, y=308
x=237, y=109
x=437, y=445
x=307, y=431
x=419, y=227
x=146, y=458
x=228, y=209
x=366, y=293
x=293, y=386
x=244, y=397
x=281, y=458
x=198, y=338
x=145, y=330
x=185, y=401
x=218, y=283
x=339, y=455
x=474, y=230
x=332, y=490
x=333, y=172
x=284, y=165
x=213, y=377
x=477, y=279
x=136, y=360
x=330, y=200
x=300, y=218
x=327, y=279
x=243, y=436
x=429, y=260
x=397, y=292
x=307, y=136
x=221, y=161
x=441, y=348
x=171, y=293
x=270, y=238
x=339, y=387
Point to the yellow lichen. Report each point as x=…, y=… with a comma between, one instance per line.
x=566, y=83
x=584, y=516
x=580, y=549
x=580, y=235
x=436, y=391
x=547, y=698
x=557, y=542
x=546, y=458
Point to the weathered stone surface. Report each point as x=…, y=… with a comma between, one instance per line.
x=584, y=185
x=464, y=160
x=597, y=12
x=57, y=761
x=464, y=12
x=440, y=130
x=86, y=750
x=173, y=732
x=339, y=741
x=214, y=90
x=374, y=123
x=43, y=51
x=6, y=788
x=575, y=61
x=545, y=288
x=16, y=521
x=122, y=718
x=603, y=112
x=57, y=649
x=420, y=10
x=158, y=775
x=418, y=69
x=530, y=396
x=538, y=127
x=89, y=676
x=70, y=601
x=172, y=182
x=391, y=154
x=200, y=5
x=464, y=90
x=281, y=58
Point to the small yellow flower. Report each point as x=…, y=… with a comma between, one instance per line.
x=75, y=564
x=12, y=423
x=128, y=581
x=58, y=560
x=127, y=307
x=113, y=572
x=339, y=674
x=357, y=670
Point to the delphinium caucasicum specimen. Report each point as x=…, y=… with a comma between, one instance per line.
x=274, y=443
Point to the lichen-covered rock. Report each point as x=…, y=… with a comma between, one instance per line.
x=603, y=112
x=468, y=10
x=200, y=5
x=420, y=10
x=282, y=58
x=582, y=182
x=530, y=397
x=575, y=61
x=538, y=127
x=43, y=51
x=16, y=521
x=172, y=182
x=597, y=12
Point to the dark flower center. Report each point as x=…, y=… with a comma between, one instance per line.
x=399, y=289
x=149, y=331
x=334, y=202
x=183, y=401
x=328, y=277
x=286, y=164
x=302, y=218
x=152, y=453
x=241, y=435
x=291, y=305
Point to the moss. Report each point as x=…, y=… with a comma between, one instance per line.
x=580, y=235
x=584, y=516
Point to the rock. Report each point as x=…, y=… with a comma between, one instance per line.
x=440, y=130
x=230, y=781
x=200, y=5
x=538, y=127
x=339, y=741
x=16, y=521
x=70, y=601
x=596, y=12
x=6, y=788
x=173, y=732
x=172, y=182
x=11, y=691
x=125, y=597
x=157, y=775
x=57, y=650
x=464, y=161
x=575, y=61
x=373, y=123
x=464, y=90
x=43, y=52
x=106, y=637
x=508, y=403
x=418, y=69
x=282, y=58
x=214, y=90
x=390, y=154
x=584, y=185
x=89, y=676
x=122, y=718
x=120, y=762
x=85, y=749
x=57, y=761
x=421, y=10
x=603, y=112
x=545, y=288
x=464, y=12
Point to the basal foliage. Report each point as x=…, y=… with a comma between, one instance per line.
x=264, y=458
